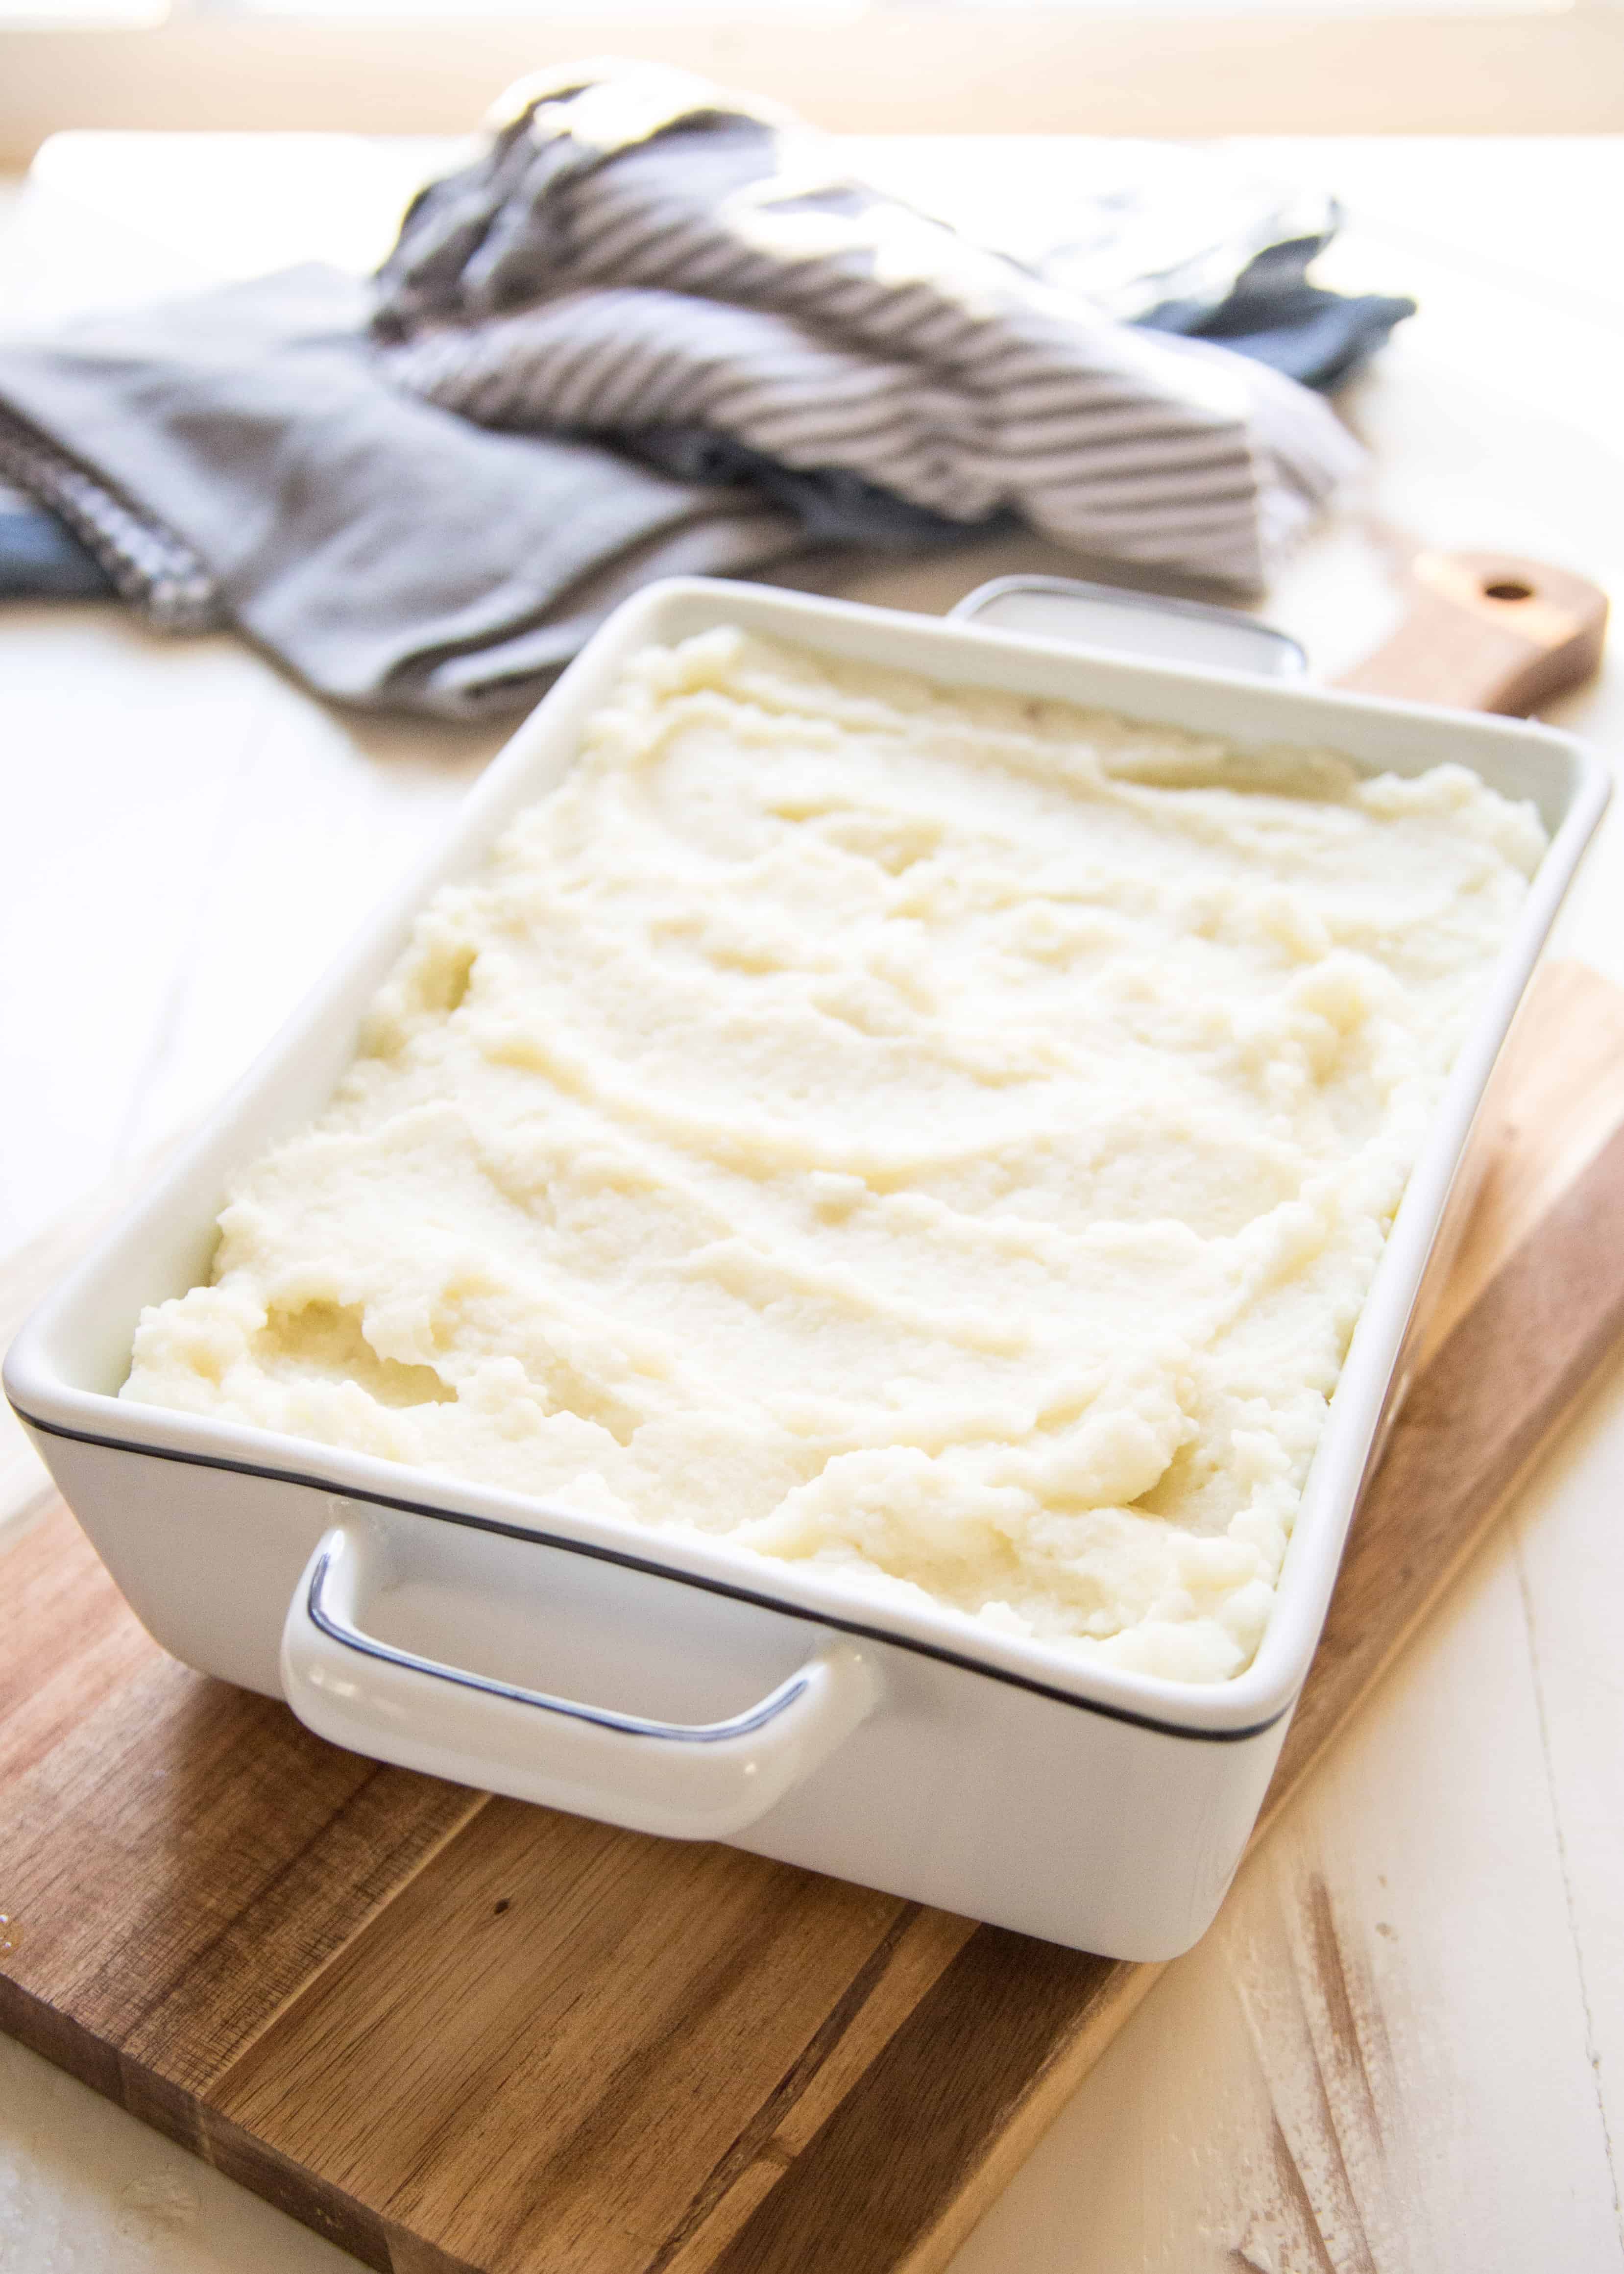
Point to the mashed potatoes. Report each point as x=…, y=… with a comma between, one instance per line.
x=942, y=1137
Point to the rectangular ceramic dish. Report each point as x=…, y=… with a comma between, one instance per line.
x=692, y=1687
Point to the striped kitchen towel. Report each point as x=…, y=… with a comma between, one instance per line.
x=636, y=255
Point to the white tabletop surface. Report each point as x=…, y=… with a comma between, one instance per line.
x=186, y=839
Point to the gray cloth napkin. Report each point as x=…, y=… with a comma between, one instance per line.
x=240, y=457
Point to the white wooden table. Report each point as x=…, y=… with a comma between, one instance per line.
x=185, y=839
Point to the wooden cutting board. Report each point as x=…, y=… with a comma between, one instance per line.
x=450, y=2031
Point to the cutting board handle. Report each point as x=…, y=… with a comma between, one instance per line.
x=1488, y=631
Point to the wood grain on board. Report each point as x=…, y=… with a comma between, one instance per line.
x=450, y=2031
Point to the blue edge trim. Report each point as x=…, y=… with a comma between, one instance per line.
x=658, y=1570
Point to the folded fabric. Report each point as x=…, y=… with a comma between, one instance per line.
x=1319, y=338
x=408, y=491
x=635, y=253
x=124, y=551
x=1189, y=238
x=41, y=558
x=239, y=457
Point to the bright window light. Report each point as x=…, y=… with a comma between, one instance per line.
x=611, y=11
x=71, y=15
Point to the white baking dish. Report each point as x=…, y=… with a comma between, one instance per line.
x=693, y=1688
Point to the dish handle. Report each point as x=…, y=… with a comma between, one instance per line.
x=688, y=1780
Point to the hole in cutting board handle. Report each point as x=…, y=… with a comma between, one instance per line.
x=1488, y=631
